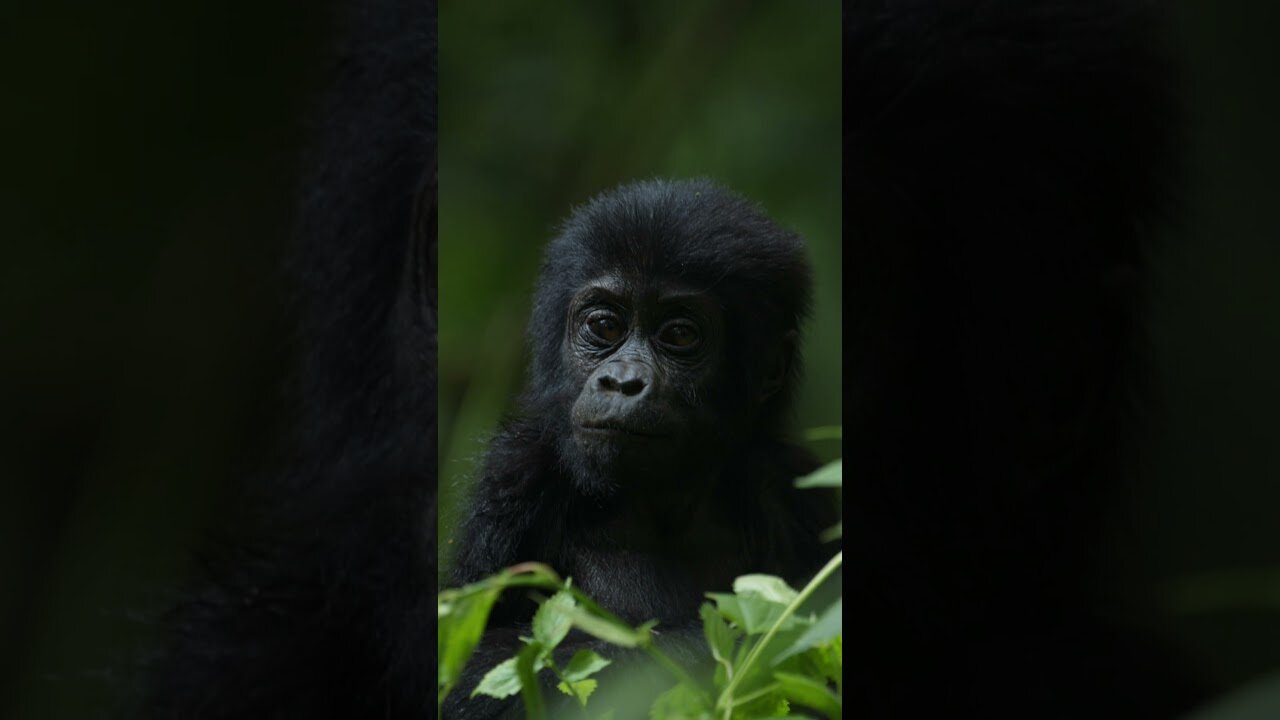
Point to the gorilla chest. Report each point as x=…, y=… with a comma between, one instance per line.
x=645, y=572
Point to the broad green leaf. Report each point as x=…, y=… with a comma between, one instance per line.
x=581, y=689
x=720, y=637
x=828, y=625
x=606, y=630
x=501, y=681
x=752, y=614
x=744, y=649
x=583, y=664
x=460, y=627
x=829, y=475
x=551, y=623
x=463, y=612
x=818, y=663
x=762, y=668
x=765, y=587
x=680, y=703
x=830, y=659
x=810, y=693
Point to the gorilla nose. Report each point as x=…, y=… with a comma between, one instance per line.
x=626, y=378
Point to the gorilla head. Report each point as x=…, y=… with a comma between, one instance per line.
x=664, y=332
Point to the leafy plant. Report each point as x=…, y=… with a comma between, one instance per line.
x=769, y=655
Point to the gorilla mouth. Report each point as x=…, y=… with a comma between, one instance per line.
x=606, y=427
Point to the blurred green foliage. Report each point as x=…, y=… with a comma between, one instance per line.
x=541, y=110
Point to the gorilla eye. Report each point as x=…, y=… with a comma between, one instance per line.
x=605, y=326
x=683, y=335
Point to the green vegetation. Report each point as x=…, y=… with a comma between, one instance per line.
x=769, y=654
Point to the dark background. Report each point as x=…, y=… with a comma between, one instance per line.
x=149, y=157
x=149, y=153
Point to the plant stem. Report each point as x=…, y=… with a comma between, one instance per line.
x=725, y=701
x=756, y=694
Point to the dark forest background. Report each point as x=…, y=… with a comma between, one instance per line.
x=149, y=159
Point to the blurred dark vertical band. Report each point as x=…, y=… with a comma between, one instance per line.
x=1005, y=165
x=321, y=604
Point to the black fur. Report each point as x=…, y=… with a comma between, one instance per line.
x=1004, y=163
x=322, y=606
x=647, y=545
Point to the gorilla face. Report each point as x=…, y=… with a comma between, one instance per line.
x=645, y=355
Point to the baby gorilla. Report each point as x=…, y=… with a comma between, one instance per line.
x=648, y=459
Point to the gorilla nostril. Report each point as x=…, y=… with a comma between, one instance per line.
x=629, y=386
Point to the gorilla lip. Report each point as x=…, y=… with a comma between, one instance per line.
x=617, y=428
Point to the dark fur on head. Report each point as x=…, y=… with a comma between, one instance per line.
x=694, y=231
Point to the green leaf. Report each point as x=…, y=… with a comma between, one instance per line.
x=829, y=475
x=463, y=612
x=744, y=648
x=680, y=703
x=765, y=587
x=501, y=681
x=552, y=621
x=773, y=704
x=810, y=693
x=581, y=689
x=762, y=667
x=583, y=664
x=720, y=637
x=819, y=663
x=461, y=625
x=829, y=624
x=605, y=629
x=752, y=614
x=829, y=657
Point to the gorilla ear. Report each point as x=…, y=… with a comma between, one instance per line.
x=778, y=366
